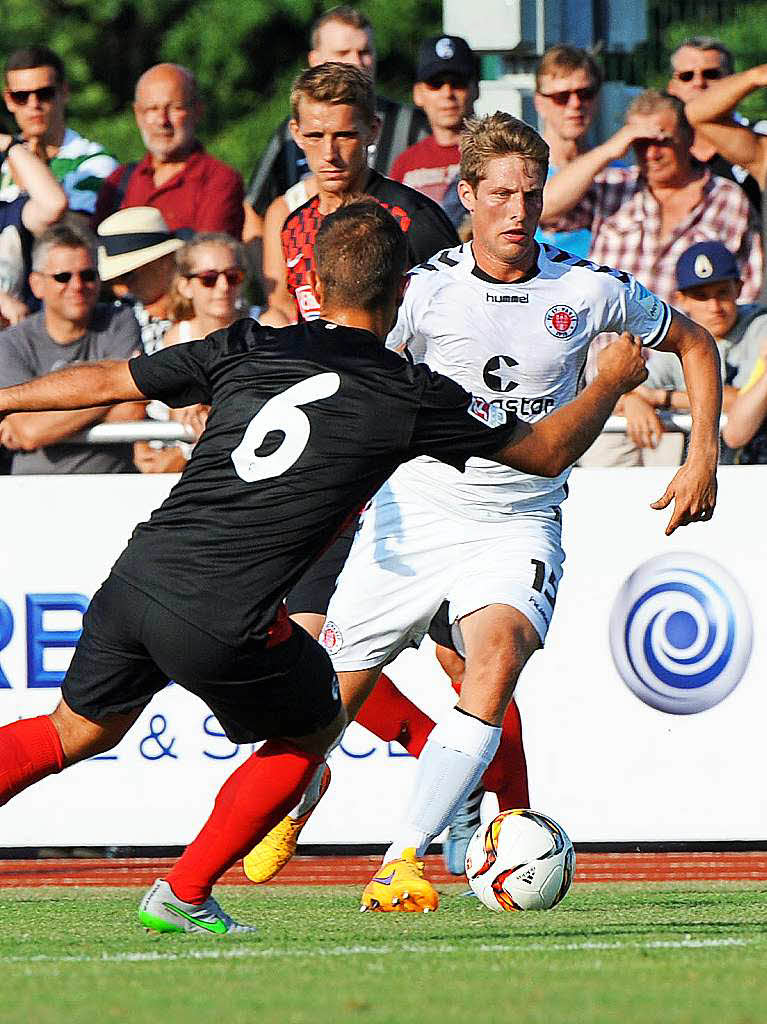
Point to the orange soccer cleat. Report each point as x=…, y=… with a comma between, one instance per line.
x=400, y=885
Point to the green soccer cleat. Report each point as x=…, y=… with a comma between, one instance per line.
x=162, y=911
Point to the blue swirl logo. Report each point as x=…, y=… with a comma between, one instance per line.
x=681, y=633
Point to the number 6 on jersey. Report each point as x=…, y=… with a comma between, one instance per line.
x=281, y=413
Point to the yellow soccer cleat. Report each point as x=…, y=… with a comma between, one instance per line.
x=400, y=885
x=278, y=846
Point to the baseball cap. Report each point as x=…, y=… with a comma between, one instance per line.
x=705, y=263
x=445, y=54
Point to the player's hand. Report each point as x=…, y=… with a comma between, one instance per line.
x=646, y=128
x=193, y=416
x=10, y=437
x=157, y=460
x=693, y=491
x=643, y=425
x=622, y=364
x=12, y=309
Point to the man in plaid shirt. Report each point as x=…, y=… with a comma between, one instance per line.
x=643, y=218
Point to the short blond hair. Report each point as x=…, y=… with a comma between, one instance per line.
x=335, y=83
x=498, y=134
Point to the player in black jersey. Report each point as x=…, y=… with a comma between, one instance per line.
x=306, y=422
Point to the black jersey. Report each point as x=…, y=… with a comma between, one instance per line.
x=306, y=424
x=426, y=227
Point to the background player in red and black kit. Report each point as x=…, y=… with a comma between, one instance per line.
x=334, y=121
x=306, y=422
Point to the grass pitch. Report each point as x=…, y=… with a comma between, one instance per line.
x=621, y=954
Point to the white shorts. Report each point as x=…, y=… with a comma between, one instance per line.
x=409, y=556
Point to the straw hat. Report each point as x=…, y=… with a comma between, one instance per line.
x=131, y=238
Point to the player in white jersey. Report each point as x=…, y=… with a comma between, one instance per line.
x=511, y=321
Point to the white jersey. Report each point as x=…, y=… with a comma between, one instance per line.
x=520, y=346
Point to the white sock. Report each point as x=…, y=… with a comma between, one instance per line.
x=451, y=764
x=311, y=796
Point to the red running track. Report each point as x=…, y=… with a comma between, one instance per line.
x=591, y=867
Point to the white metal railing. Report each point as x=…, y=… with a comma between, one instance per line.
x=156, y=430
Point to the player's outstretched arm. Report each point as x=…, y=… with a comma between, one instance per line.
x=693, y=488
x=548, y=447
x=76, y=387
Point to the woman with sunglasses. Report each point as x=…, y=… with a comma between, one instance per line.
x=205, y=296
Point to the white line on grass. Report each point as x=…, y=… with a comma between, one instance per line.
x=253, y=952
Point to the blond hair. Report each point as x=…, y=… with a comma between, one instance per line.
x=498, y=134
x=335, y=83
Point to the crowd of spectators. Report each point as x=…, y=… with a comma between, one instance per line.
x=102, y=259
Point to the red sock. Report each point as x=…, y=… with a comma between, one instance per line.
x=249, y=804
x=29, y=751
x=506, y=775
x=388, y=714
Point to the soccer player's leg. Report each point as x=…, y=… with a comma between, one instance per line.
x=34, y=748
x=103, y=694
x=450, y=656
x=286, y=693
x=506, y=776
x=307, y=605
x=381, y=606
x=501, y=627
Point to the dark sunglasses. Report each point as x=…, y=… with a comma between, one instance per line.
x=45, y=93
x=563, y=98
x=87, y=276
x=711, y=74
x=456, y=81
x=667, y=140
x=209, y=278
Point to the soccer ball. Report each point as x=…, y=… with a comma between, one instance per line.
x=521, y=860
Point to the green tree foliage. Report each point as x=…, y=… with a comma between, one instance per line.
x=245, y=54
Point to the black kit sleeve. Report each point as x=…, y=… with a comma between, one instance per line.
x=451, y=425
x=178, y=375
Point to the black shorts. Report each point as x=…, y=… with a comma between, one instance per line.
x=314, y=590
x=439, y=628
x=131, y=647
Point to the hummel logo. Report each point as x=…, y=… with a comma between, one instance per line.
x=490, y=297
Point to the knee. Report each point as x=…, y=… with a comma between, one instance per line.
x=81, y=738
x=320, y=743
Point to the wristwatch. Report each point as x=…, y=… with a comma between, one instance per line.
x=667, y=398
